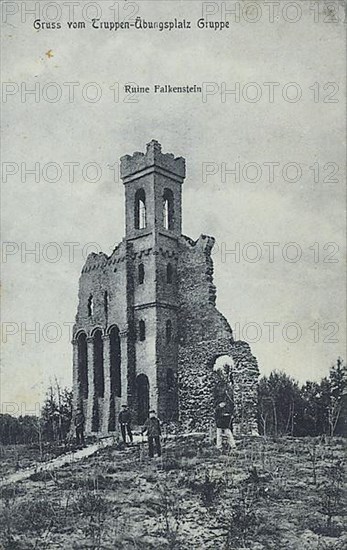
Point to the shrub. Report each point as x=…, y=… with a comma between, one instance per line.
x=240, y=522
x=209, y=489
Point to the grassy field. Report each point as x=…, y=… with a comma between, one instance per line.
x=286, y=494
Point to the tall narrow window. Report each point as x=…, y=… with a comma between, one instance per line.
x=141, y=274
x=168, y=210
x=90, y=306
x=169, y=274
x=166, y=214
x=140, y=209
x=106, y=302
x=168, y=331
x=142, y=331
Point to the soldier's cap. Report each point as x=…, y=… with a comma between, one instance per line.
x=125, y=405
x=152, y=411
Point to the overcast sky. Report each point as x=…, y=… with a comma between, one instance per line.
x=307, y=293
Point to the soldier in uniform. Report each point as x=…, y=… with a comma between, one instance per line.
x=124, y=420
x=224, y=422
x=153, y=429
x=79, y=426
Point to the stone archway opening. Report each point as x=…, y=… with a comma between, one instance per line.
x=82, y=365
x=115, y=375
x=142, y=395
x=98, y=353
x=115, y=362
x=99, y=384
x=223, y=387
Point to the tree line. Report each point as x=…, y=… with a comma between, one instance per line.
x=284, y=408
x=315, y=408
x=52, y=425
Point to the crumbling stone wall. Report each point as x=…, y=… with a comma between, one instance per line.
x=245, y=378
x=204, y=336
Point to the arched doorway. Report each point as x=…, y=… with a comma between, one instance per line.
x=82, y=365
x=142, y=395
x=98, y=363
x=223, y=389
x=115, y=362
x=115, y=375
x=99, y=384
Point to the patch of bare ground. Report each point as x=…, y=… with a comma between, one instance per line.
x=285, y=494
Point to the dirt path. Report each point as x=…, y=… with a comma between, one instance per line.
x=57, y=462
x=72, y=457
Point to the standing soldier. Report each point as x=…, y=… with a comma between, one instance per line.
x=224, y=426
x=124, y=420
x=79, y=426
x=153, y=429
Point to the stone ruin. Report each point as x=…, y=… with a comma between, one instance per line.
x=147, y=329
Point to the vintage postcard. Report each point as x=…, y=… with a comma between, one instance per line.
x=173, y=335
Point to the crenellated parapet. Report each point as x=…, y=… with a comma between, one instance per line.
x=95, y=261
x=153, y=158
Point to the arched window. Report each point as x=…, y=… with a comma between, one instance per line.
x=168, y=331
x=142, y=394
x=82, y=365
x=223, y=380
x=98, y=364
x=140, y=209
x=166, y=214
x=142, y=331
x=106, y=302
x=141, y=274
x=115, y=362
x=90, y=306
x=168, y=210
x=169, y=274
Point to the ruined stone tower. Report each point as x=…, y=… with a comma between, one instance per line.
x=147, y=331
